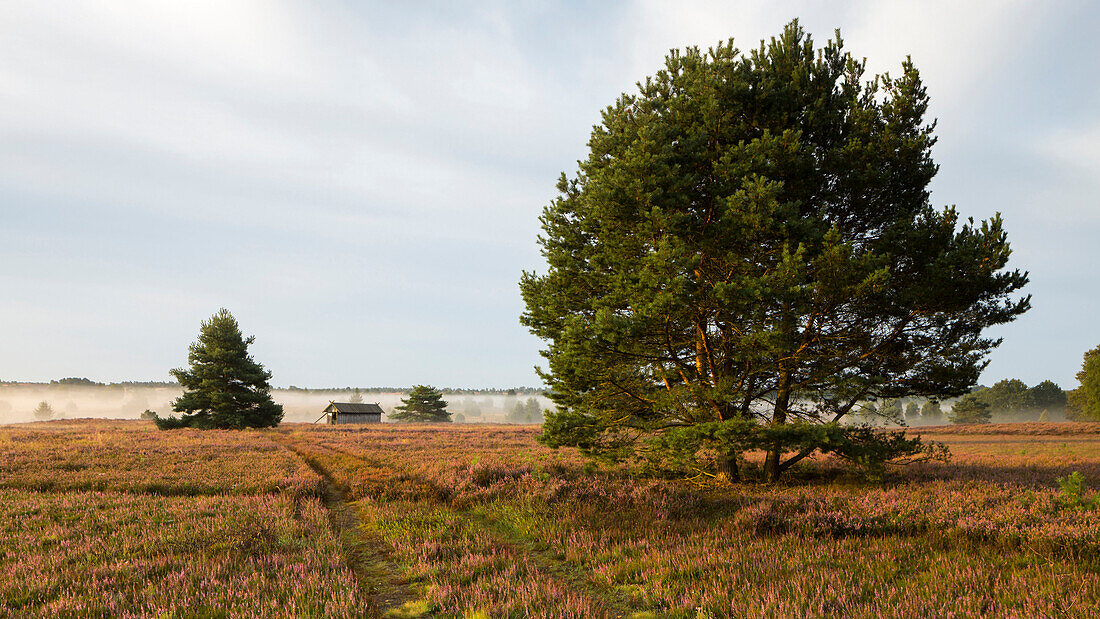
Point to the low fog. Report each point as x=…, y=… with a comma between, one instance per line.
x=19, y=401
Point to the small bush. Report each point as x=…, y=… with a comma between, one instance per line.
x=1073, y=492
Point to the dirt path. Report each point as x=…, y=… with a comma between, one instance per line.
x=547, y=561
x=367, y=555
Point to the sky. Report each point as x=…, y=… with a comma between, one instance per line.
x=360, y=182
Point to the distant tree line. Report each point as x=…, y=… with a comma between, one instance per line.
x=525, y=412
x=1010, y=399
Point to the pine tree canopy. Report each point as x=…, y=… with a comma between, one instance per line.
x=356, y=396
x=424, y=404
x=43, y=411
x=1047, y=395
x=931, y=411
x=1010, y=395
x=970, y=409
x=224, y=386
x=750, y=240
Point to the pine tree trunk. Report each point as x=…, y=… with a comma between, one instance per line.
x=782, y=401
x=771, y=466
x=727, y=465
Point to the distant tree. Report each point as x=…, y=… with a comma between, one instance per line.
x=970, y=409
x=912, y=412
x=931, y=412
x=517, y=414
x=424, y=403
x=471, y=408
x=533, y=411
x=460, y=418
x=136, y=402
x=1084, y=401
x=891, y=409
x=1048, y=396
x=44, y=411
x=224, y=387
x=865, y=412
x=356, y=397
x=148, y=414
x=528, y=411
x=1010, y=395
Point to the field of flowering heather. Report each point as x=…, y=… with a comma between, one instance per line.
x=116, y=519
x=483, y=519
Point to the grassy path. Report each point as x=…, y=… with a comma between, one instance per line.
x=461, y=548
x=368, y=556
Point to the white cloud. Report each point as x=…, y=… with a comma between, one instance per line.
x=397, y=147
x=1076, y=147
x=954, y=44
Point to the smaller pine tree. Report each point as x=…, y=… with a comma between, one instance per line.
x=912, y=412
x=931, y=412
x=44, y=411
x=356, y=396
x=970, y=409
x=224, y=387
x=424, y=404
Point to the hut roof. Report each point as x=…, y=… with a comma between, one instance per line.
x=352, y=407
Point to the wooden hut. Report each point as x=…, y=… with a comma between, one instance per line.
x=351, y=412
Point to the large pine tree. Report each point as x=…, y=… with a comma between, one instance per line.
x=749, y=253
x=224, y=387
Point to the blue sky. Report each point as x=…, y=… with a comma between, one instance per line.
x=359, y=183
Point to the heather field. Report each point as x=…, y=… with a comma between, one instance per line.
x=115, y=519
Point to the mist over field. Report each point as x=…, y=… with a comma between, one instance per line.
x=120, y=401
x=125, y=401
